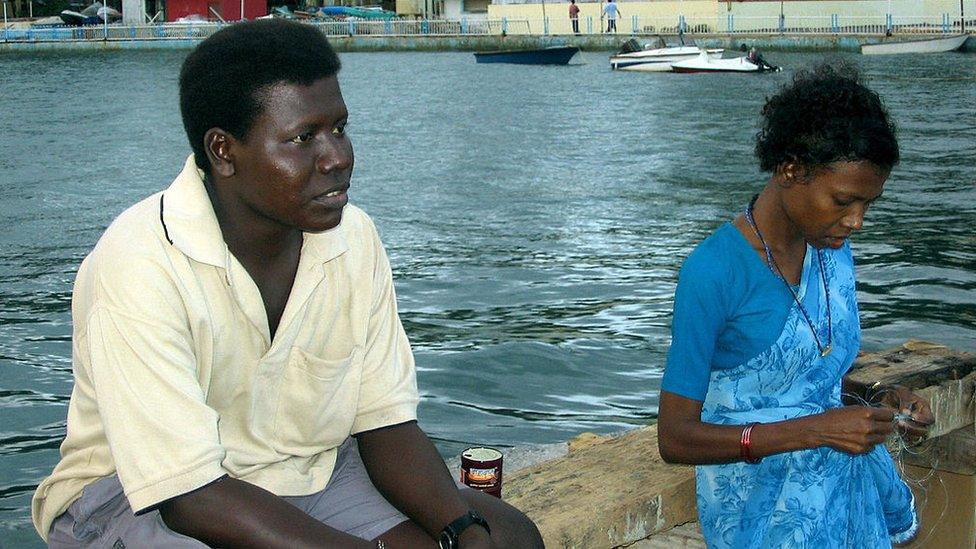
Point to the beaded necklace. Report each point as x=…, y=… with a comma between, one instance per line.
x=773, y=266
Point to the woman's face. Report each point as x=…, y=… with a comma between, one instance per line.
x=827, y=204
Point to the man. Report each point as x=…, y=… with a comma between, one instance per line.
x=242, y=377
x=574, y=15
x=611, y=11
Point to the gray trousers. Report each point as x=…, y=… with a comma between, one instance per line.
x=102, y=516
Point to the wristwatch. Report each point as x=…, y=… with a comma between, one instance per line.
x=448, y=539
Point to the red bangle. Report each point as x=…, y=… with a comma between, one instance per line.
x=745, y=445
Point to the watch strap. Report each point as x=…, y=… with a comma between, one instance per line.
x=457, y=526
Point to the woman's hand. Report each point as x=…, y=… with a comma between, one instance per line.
x=853, y=429
x=913, y=412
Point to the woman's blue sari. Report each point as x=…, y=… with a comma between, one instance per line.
x=819, y=498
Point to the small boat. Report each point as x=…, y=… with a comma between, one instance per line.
x=109, y=14
x=659, y=59
x=704, y=63
x=343, y=12
x=49, y=21
x=77, y=19
x=935, y=45
x=553, y=55
x=95, y=14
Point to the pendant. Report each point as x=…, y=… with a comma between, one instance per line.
x=826, y=350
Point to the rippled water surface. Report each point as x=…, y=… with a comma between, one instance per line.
x=535, y=218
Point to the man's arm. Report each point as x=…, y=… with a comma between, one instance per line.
x=406, y=468
x=232, y=513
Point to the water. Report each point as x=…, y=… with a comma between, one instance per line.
x=535, y=218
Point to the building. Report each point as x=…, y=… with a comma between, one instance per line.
x=443, y=9
x=228, y=10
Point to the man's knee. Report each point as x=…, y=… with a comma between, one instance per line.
x=525, y=533
x=509, y=526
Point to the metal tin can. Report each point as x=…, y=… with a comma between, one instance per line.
x=481, y=469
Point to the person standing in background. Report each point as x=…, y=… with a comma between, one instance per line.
x=611, y=11
x=574, y=15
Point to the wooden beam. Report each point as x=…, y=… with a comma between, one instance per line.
x=611, y=493
x=954, y=452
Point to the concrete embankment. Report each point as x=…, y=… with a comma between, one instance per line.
x=616, y=491
x=599, y=42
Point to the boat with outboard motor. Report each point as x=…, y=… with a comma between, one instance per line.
x=95, y=14
x=655, y=57
x=704, y=63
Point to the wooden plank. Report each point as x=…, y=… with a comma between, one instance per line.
x=954, y=452
x=686, y=536
x=611, y=493
x=947, y=509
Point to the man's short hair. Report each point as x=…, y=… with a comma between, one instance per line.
x=224, y=79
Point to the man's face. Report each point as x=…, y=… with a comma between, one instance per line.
x=294, y=166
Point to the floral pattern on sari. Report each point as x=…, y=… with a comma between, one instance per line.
x=817, y=498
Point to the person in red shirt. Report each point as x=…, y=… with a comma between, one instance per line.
x=574, y=15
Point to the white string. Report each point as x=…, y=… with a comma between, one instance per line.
x=898, y=447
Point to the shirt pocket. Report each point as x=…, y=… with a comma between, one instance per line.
x=316, y=402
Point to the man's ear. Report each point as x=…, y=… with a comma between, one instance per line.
x=217, y=144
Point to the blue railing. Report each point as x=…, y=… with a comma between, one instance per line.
x=727, y=24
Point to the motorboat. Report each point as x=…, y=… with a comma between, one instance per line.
x=659, y=59
x=705, y=63
x=76, y=19
x=109, y=14
x=345, y=12
x=655, y=57
x=553, y=55
x=935, y=45
x=95, y=14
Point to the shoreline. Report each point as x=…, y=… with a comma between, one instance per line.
x=471, y=43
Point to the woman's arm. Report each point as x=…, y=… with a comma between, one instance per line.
x=684, y=438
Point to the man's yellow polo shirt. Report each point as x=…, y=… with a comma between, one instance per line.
x=177, y=381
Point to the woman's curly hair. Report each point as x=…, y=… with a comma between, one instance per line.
x=826, y=115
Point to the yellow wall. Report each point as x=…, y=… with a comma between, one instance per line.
x=656, y=14
x=408, y=7
x=712, y=16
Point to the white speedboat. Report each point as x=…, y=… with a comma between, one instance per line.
x=659, y=59
x=704, y=63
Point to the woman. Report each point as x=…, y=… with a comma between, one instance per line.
x=765, y=328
